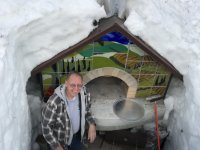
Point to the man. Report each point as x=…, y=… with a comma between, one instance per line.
x=63, y=118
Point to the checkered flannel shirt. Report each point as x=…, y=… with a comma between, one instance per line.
x=56, y=123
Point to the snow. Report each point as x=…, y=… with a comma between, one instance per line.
x=172, y=28
x=34, y=31
x=35, y=105
x=30, y=33
x=172, y=22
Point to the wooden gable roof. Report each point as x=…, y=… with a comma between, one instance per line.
x=106, y=25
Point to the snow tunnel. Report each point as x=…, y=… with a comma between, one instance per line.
x=116, y=66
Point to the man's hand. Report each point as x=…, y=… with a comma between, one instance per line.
x=59, y=148
x=92, y=133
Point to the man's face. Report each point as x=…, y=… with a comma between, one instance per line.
x=73, y=86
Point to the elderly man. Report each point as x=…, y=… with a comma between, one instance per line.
x=63, y=118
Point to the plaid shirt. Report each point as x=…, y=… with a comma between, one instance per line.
x=56, y=124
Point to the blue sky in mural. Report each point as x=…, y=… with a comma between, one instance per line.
x=115, y=37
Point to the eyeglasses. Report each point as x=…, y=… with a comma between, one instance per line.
x=79, y=86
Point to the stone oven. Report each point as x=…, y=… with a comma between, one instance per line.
x=130, y=82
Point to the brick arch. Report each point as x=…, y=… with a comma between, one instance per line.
x=130, y=81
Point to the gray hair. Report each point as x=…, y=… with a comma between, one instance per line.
x=74, y=73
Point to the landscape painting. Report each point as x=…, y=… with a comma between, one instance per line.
x=111, y=50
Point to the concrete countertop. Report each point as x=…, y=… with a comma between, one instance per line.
x=107, y=120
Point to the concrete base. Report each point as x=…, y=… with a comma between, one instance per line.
x=107, y=120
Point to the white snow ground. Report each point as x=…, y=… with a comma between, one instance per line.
x=33, y=31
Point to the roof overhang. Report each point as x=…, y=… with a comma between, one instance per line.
x=106, y=25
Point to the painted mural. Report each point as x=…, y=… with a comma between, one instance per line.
x=111, y=50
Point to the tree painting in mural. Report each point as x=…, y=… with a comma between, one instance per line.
x=79, y=67
x=68, y=70
x=84, y=63
x=63, y=66
x=88, y=69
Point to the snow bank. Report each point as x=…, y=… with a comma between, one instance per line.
x=173, y=29
x=30, y=33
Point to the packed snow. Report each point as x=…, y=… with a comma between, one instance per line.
x=34, y=31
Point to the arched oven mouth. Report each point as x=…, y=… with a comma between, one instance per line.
x=106, y=88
